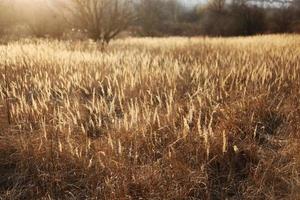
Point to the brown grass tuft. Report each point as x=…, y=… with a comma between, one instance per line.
x=161, y=118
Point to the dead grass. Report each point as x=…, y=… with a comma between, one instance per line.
x=172, y=118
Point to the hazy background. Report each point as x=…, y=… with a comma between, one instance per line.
x=120, y=18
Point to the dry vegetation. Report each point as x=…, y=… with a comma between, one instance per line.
x=172, y=118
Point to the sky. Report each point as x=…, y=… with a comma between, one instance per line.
x=191, y=2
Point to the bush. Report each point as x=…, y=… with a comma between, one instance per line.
x=232, y=20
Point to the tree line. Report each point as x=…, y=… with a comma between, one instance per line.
x=103, y=20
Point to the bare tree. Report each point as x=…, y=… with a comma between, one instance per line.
x=103, y=20
x=296, y=4
x=216, y=5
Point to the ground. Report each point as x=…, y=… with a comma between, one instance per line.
x=151, y=118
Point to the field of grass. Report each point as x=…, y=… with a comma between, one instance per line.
x=170, y=118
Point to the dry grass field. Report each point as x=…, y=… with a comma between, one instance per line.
x=170, y=118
